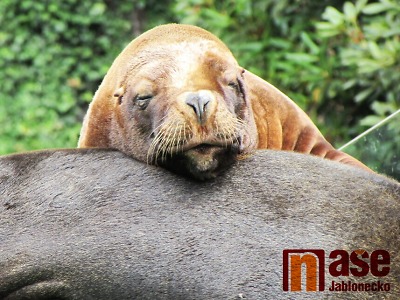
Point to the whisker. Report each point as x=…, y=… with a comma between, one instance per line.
x=154, y=144
x=168, y=140
x=161, y=124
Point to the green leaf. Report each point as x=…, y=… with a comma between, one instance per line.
x=392, y=32
x=252, y=46
x=374, y=50
x=370, y=120
x=360, y=4
x=375, y=8
x=97, y=9
x=305, y=37
x=217, y=18
x=361, y=96
x=326, y=29
x=349, y=84
x=280, y=43
x=382, y=108
x=350, y=11
x=368, y=66
x=301, y=57
x=334, y=16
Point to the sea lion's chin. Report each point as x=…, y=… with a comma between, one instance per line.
x=203, y=161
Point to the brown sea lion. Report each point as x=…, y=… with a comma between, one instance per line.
x=177, y=97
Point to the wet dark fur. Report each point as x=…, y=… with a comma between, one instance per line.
x=96, y=224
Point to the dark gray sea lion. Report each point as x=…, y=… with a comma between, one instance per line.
x=96, y=224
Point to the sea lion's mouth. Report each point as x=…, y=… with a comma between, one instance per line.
x=204, y=148
x=202, y=161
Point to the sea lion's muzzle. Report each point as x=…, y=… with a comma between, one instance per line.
x=200, y=105
x=198, y=102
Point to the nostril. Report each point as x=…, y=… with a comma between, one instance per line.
x=198, y=104
x=193, y=104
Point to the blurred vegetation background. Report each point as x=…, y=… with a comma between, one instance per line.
x=338, y=60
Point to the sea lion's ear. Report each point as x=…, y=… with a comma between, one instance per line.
x=119, y=93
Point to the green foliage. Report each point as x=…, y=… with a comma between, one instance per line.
x=53, y=56
x=368, y=43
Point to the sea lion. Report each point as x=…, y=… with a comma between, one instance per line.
x=174, y=97
x=177, y=97
x=69, y=230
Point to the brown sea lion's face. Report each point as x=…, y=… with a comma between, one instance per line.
x=185, y=109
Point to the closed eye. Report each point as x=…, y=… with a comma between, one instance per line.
x=233, y=84
x=145, y=97
x=142, y=101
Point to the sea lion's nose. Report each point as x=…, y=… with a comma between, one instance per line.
x=199, y=101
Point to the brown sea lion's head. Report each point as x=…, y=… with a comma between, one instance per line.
x=179, y=101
